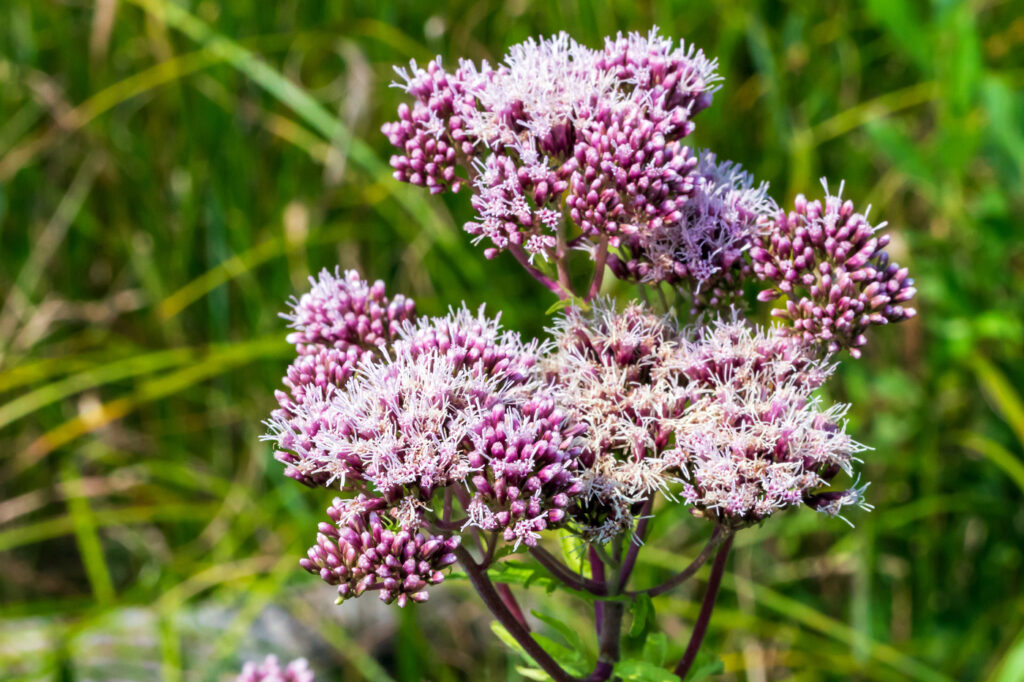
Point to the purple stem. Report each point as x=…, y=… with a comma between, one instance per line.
x=485, y=588
x=524, y=260
x=700, y=628
x=597, y=575
x=634, y=547
x=599, y=261
x=446, y=513
x=511, y=604
x=716, y=537
x=566, y=574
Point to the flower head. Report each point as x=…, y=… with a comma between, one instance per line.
x=359, y=552
x=344, y=310
x=527, y=460
x=755, y=439
x=674, y=78
x=431, y=135
x=704, y=247
x=553, y=117
x=342, y=321
x=828, y=263
x=612, y=371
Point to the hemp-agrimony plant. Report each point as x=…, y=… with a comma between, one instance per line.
x=454, y=441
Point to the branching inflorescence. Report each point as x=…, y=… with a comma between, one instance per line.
x=452, y=439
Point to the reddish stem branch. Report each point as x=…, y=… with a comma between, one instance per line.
x=716, y=538
x=637, y=542
x=485, y=588
x=599, y=262
x=524, y=260
x=509, y=599
x=700, y=628
x=566, y=574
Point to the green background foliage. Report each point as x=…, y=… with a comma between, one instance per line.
x=170, y=173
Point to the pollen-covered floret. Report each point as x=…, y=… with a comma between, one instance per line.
x=270, y=670
x=704, y=247
x=831, y=267
x=359, y=551
x=756, y=439
x=612, y=370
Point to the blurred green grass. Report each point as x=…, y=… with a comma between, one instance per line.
x=170, y=173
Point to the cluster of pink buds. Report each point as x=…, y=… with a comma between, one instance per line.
x=527, y=462
x=360, y=553
x=432, y=134
x=831, y=267
x=603, y=125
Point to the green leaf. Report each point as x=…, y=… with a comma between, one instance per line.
x=573, y=660
x=569, y=302
x=1011, y=667
x=643, y=671
x=572, y=637
x=706, y=665
x=1005, y=399
x=532, y=673
x=643, y=617
x=656, y=648
x=527, y=575
x=506, y=637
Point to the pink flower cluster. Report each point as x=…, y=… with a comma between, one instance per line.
x=435, y=428
x=448, y=404
x=341, y=321
x=831, y=267
x=756, y=439
x=358, y=552
x=722, y=413
x=568, y=147
x=602, y=126
x=581, y=432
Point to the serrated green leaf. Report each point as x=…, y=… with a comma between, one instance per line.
x=573, y=549
x=508, y=640
x=573, y=660
x=527, y=575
